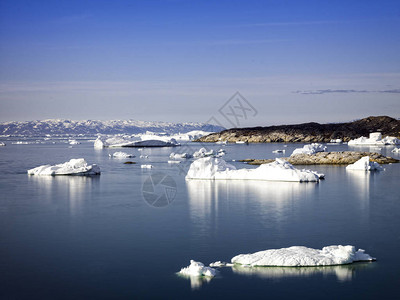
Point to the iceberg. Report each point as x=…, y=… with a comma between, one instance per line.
x=395, y=150
x=203, y=153
x=198, y=269
x=73, y=167
x=144, y=141
x=310, y=149
x=364, y=164
x=2, y=144
x=336, y=141
x=299, y=256
x=375, y=138
x=146, y=166
x=73, y=142
x=278, y=151
x=121, y=155
x=174, y=155
x=218, y=169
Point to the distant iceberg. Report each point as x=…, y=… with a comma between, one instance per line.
x=310, y=149
x=121, y=155
x=299, y=256
x=73, y=167
x=146, y=166
x=2, y=144
x=143, y=141
x=73, y=142
x=396, y=150
x=198, y=269
x=365, y=164
x=279, y=170
x=174, y=155
x=203, y=153
x=375, y=138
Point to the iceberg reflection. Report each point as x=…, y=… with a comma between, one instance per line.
x=70, y=191
x=197, y=281
x=342, y=272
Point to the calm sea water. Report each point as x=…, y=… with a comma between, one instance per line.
x=97, y=237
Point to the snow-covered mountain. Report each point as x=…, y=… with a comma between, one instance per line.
x=90, y=127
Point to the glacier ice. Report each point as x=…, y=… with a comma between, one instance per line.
x=73, y=167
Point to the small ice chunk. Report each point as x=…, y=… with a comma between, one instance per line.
x=364, y=164
x=121, y=155
x=299, y=256
x=144, y=156
x=198, y=269
x=2, y=144
x=278, y=151
x=179, y=155
x=203, y=153
x=73, y=142
x=73, y=167
x=174, y=162
x=146, y=166
x=310, y=149
x=396, y=150
x=218, y=264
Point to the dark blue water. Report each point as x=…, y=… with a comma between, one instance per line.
x=97, y=237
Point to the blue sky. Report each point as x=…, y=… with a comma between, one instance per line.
x=181, y=60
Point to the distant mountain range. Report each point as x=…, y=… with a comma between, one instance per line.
x=309, y=132
x=91, y=127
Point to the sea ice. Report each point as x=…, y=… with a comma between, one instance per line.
x=146, y=166
x=364, y=164
x=309, y=149
x=278, y=151
x=299, y=256
x=121, y=155
x=198, y=269
x=144, y=141
x=73, y=142
x=174, y=162
x=375, y=138
x=73, y=167
x=336, y=141
x=203, y=153
x=396, y=150
x=2, y=144
x=217, y=168
x=174, y=155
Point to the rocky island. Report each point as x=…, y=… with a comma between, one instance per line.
x=308, y=132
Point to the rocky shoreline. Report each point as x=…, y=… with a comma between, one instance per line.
x=308, y=132
x=328, y=158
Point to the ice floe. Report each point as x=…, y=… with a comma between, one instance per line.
x=375, y=138
x=73, y=167
x=365, y=164
x=174, y=162
x=336, y=141
x=146, y=166
x=135, y=141
x=299, y=256
x=217, y=168
x=73, y=142
x=198, y=269
x=202, y=152
x=121, y=155
x=309, y=149
x=174, y=155
x=2, y=144
x=278, y=151
x=396, y=150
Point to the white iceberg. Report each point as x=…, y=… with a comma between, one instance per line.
x=2, y=144
x=174, y=162
x=396, y=150
x=73, y=142
x=220, y=264
x=127, y=141
x=146, y=166
x=121, y=155
x=299, y=256
x=364, y=164
x=143, y=156
x=216, y=168
x=375, y=138
x=310, y=149
x=191, y=135
x=198, y=269
x=73, y=167
x=278, y=151
x=336, y=141
x=203, y=153
x=174, y=155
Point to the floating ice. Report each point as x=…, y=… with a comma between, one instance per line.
x=336, y=141
x=121, y=155
x=364, y=164
x=309, y=149
x=2, y=144
x=127, y=141
x=146, y=166
x=174, y=155
x=395, y=150
x=241, y=142
x=375, y=138
x=278, y=151
x=73, y=142
x=174, y=162
x=203, y=153
x=217, y=168
x=198, y=269
x=73, y=167
x=299, y=256
x=219, y=264
x=143, y=156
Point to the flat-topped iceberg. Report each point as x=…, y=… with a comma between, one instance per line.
x=216, y=168
x=73, y=167
x=198, y=269
x=121, y=155
x=375, y=138
x=365, y=164
x=299, y=256
x=310, y=149
x=174, y=155
x=141, y=141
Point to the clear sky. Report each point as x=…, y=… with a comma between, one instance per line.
x=181, y=60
